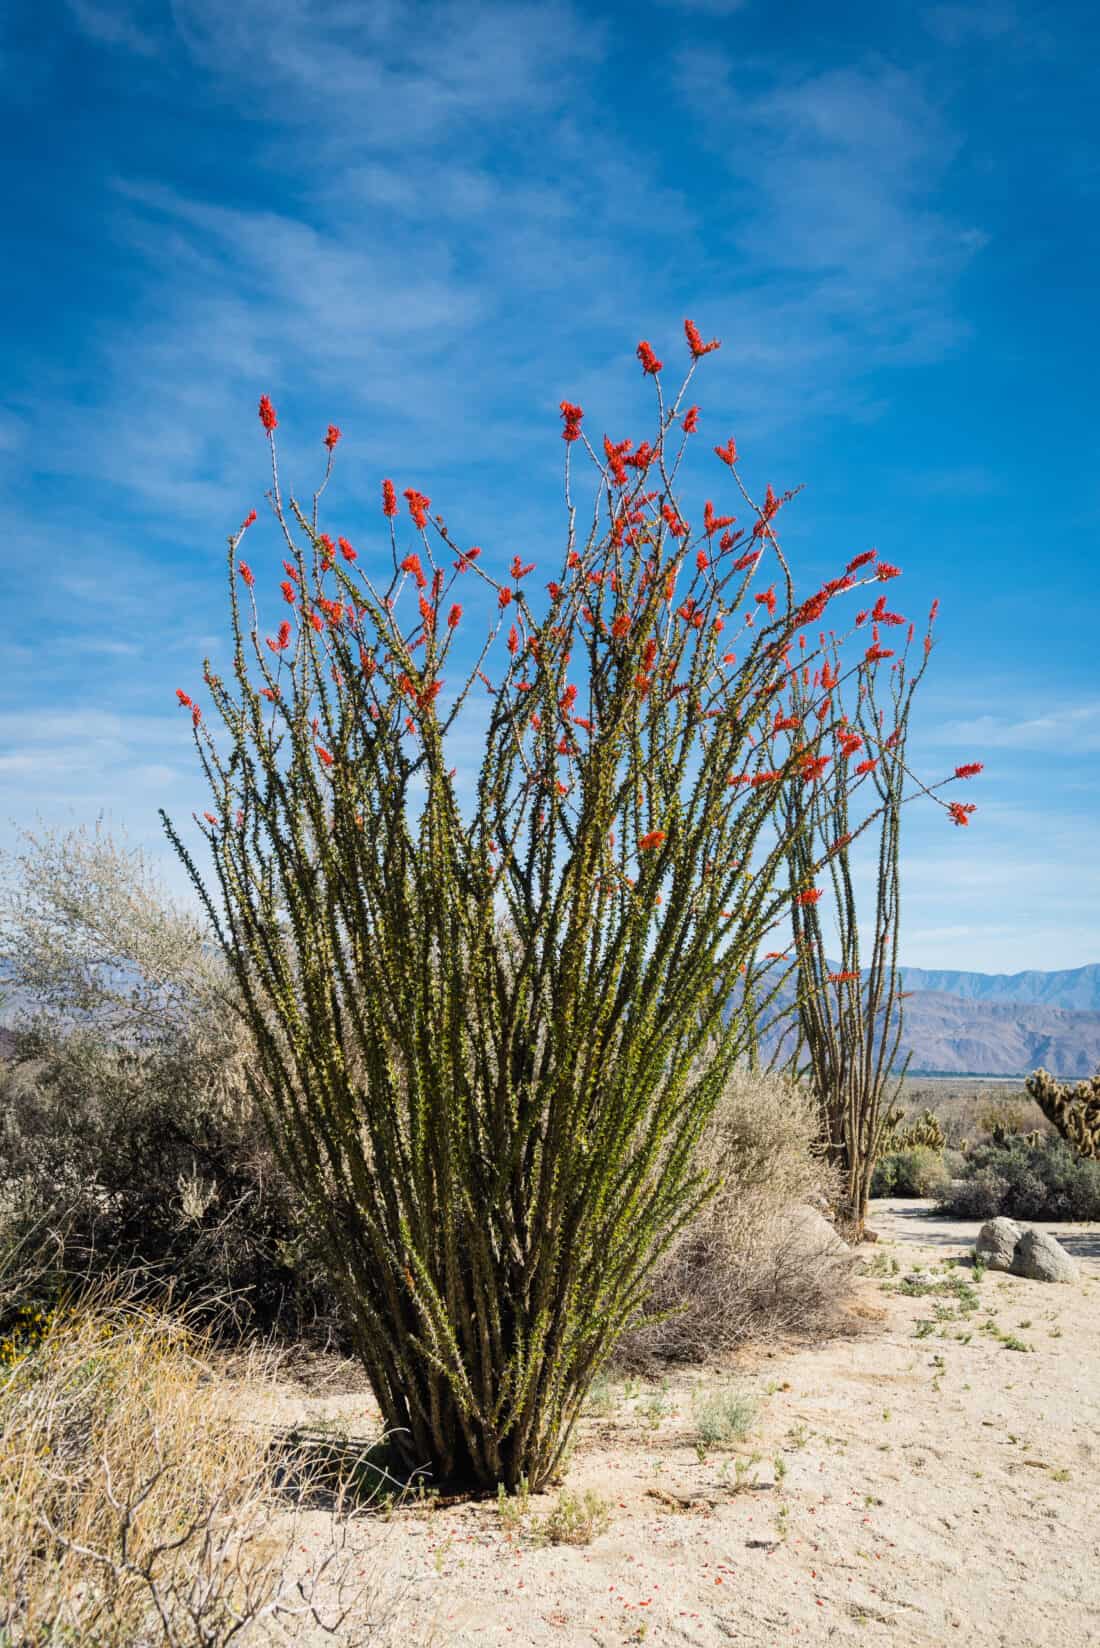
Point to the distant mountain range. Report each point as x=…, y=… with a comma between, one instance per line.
x=1077, y=988
x=991, y=1024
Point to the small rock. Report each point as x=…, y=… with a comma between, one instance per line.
x=804, y=1227
x=996, y=1244
x=1042, y=1258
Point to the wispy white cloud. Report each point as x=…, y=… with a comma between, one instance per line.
x=1071, y=729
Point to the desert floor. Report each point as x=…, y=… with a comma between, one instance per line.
x=939, y=1482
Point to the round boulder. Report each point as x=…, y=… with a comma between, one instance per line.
x=1042, y=1258
x=996, y=1244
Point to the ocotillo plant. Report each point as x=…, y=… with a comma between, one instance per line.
x=849, y=1015
x=478, y=1034
x=1075, y=1111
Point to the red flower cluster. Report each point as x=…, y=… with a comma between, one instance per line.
x=728, y=453
x=411, y=563
x=695, y=341
x=691, y=420
x=649, y=361
x=960, y=811
x=572, y=416
x=646, y=843
x=811, y=896
x=246, y=573
x=346, y=550
x=332, y=437
x=389, y=498
x=969, y=770
x=454, y=617
x=267, y=414
x=418, y=506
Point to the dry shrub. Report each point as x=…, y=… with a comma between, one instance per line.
x=751, y=1266
x=134, y=1512
x=125, y=1121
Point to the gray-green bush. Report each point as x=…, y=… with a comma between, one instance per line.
x=125, y=1127
x=1026, y=1180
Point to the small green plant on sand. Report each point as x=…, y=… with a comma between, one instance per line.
x=576, y=1519
x=723, y=1417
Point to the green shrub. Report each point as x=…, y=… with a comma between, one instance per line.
x=915, y=1172
x=1026, y=1180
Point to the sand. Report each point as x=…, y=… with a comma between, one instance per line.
x=932, y=1488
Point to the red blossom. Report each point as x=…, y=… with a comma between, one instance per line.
x=813, y=767
x=466, y=561
x=248, y=520
x=389, y=498
x=811, y=896
x=246, y=573
x=196, y=715
x=695, y=341
x=411, y=563
x=572, y=416
x=767, y=599
x=649, y=361
x=866, y=767
x=210, y=819
x=691, y=420
x=346, y=550
x=519, y=570
x=289, y=592
x=842, y=978
x=875, y=653
x=621, y=626
x=728, y=453
x=418, y=506
x=332, y=437
x=454, y=617
x=885, y=572
x=183, y=698
x=267, y=414
x=960, y=812
x=513, y=640
x=714, y=523
x=969, y=769
x=504, y=599
x=317, y=621
x=324, y=755
x=646, y=843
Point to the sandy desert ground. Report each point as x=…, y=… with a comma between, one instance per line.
x=938, y=1482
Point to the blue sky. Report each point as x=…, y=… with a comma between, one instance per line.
x=431, y=223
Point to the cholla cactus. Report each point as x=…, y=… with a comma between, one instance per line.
x=1075, y=1111
x=480, y=1035
x=926, y=1131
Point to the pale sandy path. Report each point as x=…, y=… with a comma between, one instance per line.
x=937, y=1491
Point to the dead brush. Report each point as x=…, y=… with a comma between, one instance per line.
x=745, y=1269
x=135, y=1512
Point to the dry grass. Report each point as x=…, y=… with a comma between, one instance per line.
x=747, y=1269
x=134, y=1512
